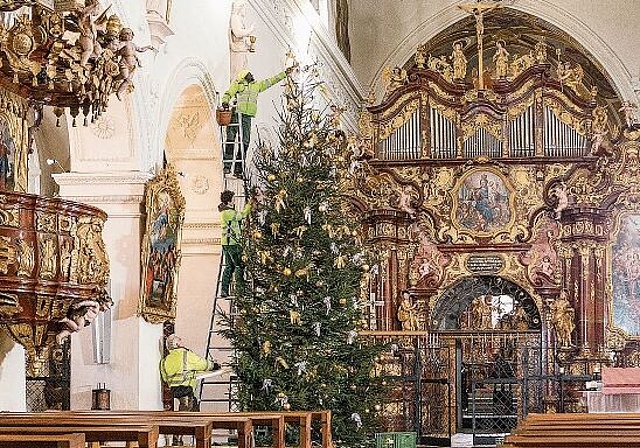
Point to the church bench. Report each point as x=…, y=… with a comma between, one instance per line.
x=145, y=436
x=562, y=441
x=73, y=440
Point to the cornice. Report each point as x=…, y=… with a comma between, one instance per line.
x=64, y=179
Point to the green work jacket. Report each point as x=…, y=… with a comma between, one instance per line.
x=230, y=221
x=180, y=367
x=246, y=94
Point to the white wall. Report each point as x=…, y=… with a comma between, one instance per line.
x=12, y=375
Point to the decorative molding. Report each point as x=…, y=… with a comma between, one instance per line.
x=132, y=199
x=201, y=226
x=200, y=184
x=201, y=241
x=65, y=179
x=104, y=127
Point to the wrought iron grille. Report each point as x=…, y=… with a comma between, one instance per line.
x=52, y=388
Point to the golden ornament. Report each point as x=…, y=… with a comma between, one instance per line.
x=365, y=267
x=286, y=272
x=275, y=228
x=286, y=406
x=353, y=387
x=257, y=235
x=377, y=407
x=340, y=262
x=266, y=348
x=271, y=177
x=281, y=395
x=343, y=301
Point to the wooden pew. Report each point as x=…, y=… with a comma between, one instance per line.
x=144, y=436
x=576, y=431
x=73, y=440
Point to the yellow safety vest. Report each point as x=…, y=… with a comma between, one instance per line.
x=180, y=367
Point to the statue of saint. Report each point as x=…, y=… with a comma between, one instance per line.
x=562, y=319
x=407, y=312
x=501, y=59
x=459, y=61
x=240, y=37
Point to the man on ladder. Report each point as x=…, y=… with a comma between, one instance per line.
x=230, y=220
x=245, y=89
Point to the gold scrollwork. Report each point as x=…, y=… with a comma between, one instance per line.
x=564, y=115
x=399, y=119
x=46, y=222
x=9, y=305
x=482, y=121
x=48, y=248
x=10, y=217
x=7, y=254
x=25, y=257
x=93, y=261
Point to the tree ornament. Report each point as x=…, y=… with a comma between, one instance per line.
x=343, y=301
x=316, y=328
x=299, y=231
x=262, y=217
x=266, y=348
x=304, y=272
x=271, y=177
x=377, y=407
x=334, y=248
x=267, y=383
x=357, y=419
x=351, y=336
x=327, y=303
x=280, y=362
x=279, y=200
x=340, y=262
x=294, y=317
x=319, y=283
x=353, y=387
x=323, y=207
x=287, y=272
x=256, y=234
x=275, y=228
x=307, y=214
x=302, y=367
x=294, y=300
x=265, y=256
x=286, y=407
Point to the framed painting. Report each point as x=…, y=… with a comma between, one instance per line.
x=625, y=277
x=161, y=255
x=482, y=202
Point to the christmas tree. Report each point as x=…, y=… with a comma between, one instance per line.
x=300, y=310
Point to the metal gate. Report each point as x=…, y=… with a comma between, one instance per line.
x=51, y=387
x=416, y=369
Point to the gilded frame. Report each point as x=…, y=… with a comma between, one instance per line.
x=161, y=254
x=479, y=205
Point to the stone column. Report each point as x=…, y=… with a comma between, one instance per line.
x=132, y=375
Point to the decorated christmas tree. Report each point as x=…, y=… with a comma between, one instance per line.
x=300, y=310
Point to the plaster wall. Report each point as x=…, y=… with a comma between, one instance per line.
x=12, y=375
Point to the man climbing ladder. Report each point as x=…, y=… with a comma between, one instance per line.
x=231, y=220
x=245, y=89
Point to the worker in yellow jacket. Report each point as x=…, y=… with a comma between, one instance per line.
x=179, y=369
x=245, y=90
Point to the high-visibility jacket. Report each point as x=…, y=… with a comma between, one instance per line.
x=230, y=221
x=246, y=93
x=180, y=367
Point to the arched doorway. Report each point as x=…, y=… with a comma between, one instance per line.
x=496, y=329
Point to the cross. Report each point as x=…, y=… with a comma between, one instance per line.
x=478, y=9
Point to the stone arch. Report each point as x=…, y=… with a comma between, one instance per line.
x=618, y=74
x=189, y=72
x=457, y=300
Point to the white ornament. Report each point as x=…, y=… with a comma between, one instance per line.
x=351, y=336
x=334, y=248
x=302, y=367
x=316, y=328
x=323, y=207
x=327, y=303
x=262, y=217
x=294, y=300
x=267, y=383
x=307, y=214
x=357, y=419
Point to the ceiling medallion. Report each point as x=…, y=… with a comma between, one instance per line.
x=68, y=54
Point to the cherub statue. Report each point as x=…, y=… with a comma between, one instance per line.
x=628, y=109
x=597, y=138
x=87, y=25
x=560, y=192
x=541, y=51
x=128, y=59
x=80, y=316
x=394, y=78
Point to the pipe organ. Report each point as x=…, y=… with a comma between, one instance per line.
x=560, y=139
x=522, y=134
x=404, y=143
x=443, y=136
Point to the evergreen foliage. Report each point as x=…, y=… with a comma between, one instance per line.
x=298, y=317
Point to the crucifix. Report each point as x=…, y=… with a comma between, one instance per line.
x=478, y=9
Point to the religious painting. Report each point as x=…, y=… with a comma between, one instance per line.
x=161, y=253
x=625, y=276
x=482, y=202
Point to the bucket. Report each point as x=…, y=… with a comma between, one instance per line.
x=223, y=117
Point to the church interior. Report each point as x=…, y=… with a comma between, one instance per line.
x=481, y=155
